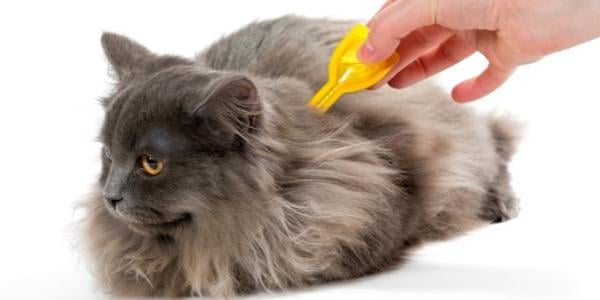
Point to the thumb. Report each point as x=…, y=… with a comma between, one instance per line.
x=392, y=24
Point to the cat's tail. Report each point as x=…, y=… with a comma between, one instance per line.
x=502, y=204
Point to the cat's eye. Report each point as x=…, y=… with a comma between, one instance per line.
x=151, y=165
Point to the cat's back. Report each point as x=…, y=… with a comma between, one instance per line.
x=289, y=46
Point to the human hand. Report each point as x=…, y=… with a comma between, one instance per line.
x=432, y=35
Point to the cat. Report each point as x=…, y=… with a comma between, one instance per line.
x=217, y=179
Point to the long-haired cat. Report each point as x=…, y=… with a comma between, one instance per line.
x=217, y=179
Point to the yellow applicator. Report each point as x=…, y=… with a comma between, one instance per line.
x=346, y=73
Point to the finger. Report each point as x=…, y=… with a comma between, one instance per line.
x=384, y=6
x=446, y=55
x=482, y=85
x=414, y=45
x=393, y=23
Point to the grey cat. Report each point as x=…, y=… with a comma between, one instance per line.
x=217, y=179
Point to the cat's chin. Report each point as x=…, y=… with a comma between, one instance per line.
x=159, y=228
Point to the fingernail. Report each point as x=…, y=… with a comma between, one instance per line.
x=366, y=53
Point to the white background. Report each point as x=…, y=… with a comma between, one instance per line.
x=52, y=71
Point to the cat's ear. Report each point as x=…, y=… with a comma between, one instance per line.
x=231, y=107
x=126, y=56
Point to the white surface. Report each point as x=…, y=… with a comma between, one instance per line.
x=52, y=71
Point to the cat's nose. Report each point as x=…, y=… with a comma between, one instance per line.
x=113, y=188
x=113, y=200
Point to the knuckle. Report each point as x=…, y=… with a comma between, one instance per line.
x=446, y=53
x=421, y=67
x=421, y=39
x=433, y=10
x=492, y=15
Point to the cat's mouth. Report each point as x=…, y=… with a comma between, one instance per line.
x=166, y=227
x=170, y=223
x=143, y=224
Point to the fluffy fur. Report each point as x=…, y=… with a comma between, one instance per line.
x=260, y=192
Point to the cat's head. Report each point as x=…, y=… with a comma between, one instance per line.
x=176, y=138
